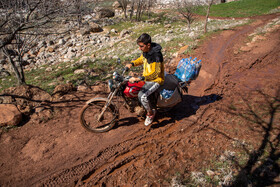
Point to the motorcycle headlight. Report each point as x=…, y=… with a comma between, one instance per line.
x=111, y=85
x=115, y=75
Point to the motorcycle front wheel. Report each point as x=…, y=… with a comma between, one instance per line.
x=90, y=113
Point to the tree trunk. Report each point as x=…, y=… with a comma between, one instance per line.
x=132, y=10
x=207, y=15
x=149, y=9
x=20, y=69
x=138, y=12
x=78, y=12
x=19, y=74
x=125, y=16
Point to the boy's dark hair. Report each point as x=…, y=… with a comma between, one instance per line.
x=144, y=38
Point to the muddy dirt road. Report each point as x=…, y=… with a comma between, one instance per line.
x=59, y=152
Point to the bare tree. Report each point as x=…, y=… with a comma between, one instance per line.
x=132, y=7
x=186, y=9
x=21, y=22
x=139, y=10
x=210, y=2
x=123, y=4
x=141, y=6
x=150, y=4
x=78, y=8
x=77, y=4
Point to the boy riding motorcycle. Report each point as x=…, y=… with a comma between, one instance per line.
x=153, y=72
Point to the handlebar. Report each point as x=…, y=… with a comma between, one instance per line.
x=125, y=70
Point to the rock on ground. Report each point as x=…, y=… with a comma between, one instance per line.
x=9, y=115
x=63, y=89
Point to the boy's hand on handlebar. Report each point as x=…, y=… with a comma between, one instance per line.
x=128, y=65
x=134, y=79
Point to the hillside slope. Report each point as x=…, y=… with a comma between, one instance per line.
x=229, y=112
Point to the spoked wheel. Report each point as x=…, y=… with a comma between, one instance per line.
x=90, y=114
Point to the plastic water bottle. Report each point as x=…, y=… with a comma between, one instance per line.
x=197, y=68
x=193, y=69
x=166, y=93
x=169, y=93
x=193, y=61
x=163, y=93
x=189, y=69
x=190, y=59
x=179, y=64
x=178, y=72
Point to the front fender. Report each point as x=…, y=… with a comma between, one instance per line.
x=97, y=99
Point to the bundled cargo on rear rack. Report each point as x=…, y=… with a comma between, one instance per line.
x=188, y=69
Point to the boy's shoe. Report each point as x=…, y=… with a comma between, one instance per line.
x=150, y=119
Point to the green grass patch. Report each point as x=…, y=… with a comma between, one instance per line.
x=47, y=80
x=64, y=72
x=106, y=3
x=7, y=82
x=121, y=26
x=242, y=8
x=157, y=17
x=151, y=29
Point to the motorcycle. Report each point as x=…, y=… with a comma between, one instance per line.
x=101, y=114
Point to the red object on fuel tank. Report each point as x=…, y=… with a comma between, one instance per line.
x=132, y=89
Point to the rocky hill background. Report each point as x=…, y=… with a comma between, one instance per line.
x=102, y=37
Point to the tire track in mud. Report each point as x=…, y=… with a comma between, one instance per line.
x=123, y=156
x=103, y=157
x=215, y=51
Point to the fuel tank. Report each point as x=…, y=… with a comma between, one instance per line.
x=132, y=89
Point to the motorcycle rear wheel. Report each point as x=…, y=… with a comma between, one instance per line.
x=90, y=113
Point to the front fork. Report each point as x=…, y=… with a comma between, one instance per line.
x=110, y=98
x=112, y=94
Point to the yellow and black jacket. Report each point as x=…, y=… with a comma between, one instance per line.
x=153, y=64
